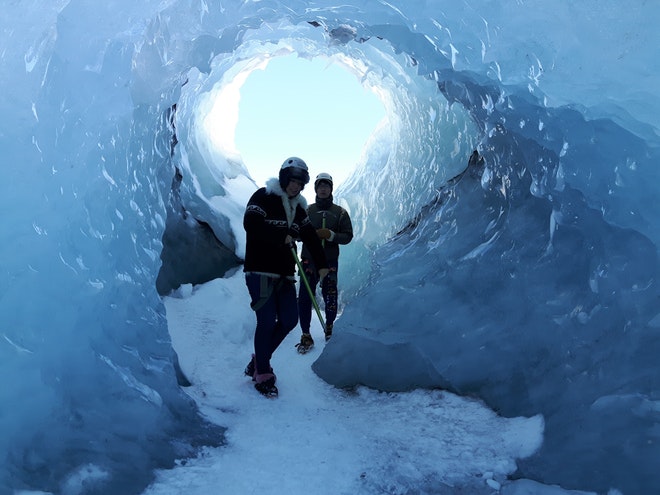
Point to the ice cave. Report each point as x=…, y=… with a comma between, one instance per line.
x=507, y=221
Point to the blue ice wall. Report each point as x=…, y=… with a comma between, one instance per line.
x=530, y=280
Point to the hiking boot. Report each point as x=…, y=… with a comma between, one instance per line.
x=250, y=369
x=305, y=344
x=328, y=332
x=265, y=385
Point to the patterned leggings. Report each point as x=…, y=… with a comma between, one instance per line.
x=328, y=291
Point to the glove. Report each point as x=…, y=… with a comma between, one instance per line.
x=323, y=272
x=324, y=233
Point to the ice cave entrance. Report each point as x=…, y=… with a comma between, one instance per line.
x=361, y=112
x=288, y=105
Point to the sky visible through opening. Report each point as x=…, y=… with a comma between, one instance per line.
x=313, y=109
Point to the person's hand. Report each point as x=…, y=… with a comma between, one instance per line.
x=324, y=233
x=288, y=240
x=323, y=272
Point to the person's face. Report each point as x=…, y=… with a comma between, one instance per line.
x=323, y=190
x=294, y=187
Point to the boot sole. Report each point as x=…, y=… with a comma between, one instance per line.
x=303, y=350
x=269, y=393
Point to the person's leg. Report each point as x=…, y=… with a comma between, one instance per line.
x=330, y=294
x=287, y=313
x=304, y=301
x=264, y=304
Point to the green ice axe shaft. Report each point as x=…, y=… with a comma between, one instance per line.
x=309, y=289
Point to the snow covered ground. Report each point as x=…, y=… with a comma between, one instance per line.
x=316, y=439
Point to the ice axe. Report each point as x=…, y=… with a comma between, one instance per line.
x=309, y=289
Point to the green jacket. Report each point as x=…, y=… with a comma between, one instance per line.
x=334, y=217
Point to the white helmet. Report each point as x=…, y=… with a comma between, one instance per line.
x=323, y=177
x=293, y=168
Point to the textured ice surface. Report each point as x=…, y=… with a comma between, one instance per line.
x=530, y=281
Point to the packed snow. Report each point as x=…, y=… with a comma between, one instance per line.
x=318, y=439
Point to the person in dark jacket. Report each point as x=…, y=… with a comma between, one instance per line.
x=274, y=218
x=333, y=226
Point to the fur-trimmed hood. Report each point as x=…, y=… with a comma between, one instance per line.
x=273, y=187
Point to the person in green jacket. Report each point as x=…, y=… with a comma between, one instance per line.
x=333, y=226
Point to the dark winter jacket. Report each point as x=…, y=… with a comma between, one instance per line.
x=324, y=213
x=267, y=222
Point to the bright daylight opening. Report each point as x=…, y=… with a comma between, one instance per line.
x=314, y=109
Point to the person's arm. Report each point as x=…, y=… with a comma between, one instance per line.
x=344, y=233
x=254, y=221
x=343, y=230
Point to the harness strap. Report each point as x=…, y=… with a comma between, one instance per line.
x=267, y=286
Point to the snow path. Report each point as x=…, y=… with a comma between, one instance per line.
x=315, y=438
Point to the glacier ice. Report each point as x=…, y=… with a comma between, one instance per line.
x=529, y=279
